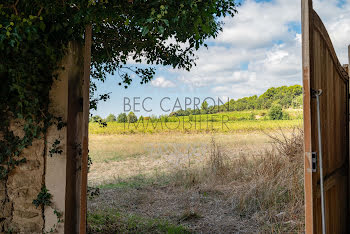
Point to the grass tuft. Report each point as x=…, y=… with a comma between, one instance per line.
x=111, y=221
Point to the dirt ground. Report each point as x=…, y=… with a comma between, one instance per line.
x=201, y=210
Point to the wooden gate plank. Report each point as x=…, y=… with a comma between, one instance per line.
x=322, y=70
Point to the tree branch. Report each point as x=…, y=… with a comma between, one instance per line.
x=14, y=7
x=41, y=9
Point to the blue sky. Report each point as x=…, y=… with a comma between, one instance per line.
x=258, y=49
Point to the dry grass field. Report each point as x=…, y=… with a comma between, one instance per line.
x=248, y=181
x=119, y=157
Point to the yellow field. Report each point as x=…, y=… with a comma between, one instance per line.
x=192, y=127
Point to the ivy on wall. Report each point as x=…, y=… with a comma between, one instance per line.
x=44, y=199
x=27, y=64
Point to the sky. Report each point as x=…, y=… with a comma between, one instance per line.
x=259, y=48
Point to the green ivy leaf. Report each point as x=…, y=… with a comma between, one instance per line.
x=161, y=29
x=145, y=30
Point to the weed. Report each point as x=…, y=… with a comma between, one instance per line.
x=217, y=159
x=189, y=215
x=111, y=221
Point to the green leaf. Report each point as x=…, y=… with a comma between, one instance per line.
x=145, y=30
x=166, y=22
x=161, y=29
x=42, y=26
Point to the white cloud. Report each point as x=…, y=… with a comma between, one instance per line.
x=261, y=47
x=337, y=21
x=260, y=24
x=161, y=82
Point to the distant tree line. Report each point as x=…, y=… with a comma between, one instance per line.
x=122, y=118
x=287, y=97
x=274, y=99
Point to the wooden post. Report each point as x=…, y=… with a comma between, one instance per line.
x=85, y=128
x=348, y=70
x=349, y=59
x=306, y=15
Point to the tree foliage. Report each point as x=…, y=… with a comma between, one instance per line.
x=96, y=119
x=156, y=32
x=283, y=95
x=204, y=105
x=122, y=118
x=111, y=118
x=287, y=97
x=132, y=118
x=275, y=112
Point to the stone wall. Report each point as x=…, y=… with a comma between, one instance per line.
x=18, y=214
x=59, y=173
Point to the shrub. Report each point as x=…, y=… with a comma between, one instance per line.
x=204, y=105
x=275, y=112
x=111, y=221
x=122, y=118
x=132, y=118
x=217, y=159
x=285, y=116
x=111, y=118
x=298, y=102
x=96, y=119
x=290, y=145
x=153, y=118
x=164, y=118
x=204, y=112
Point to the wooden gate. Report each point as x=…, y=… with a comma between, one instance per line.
x=322, y=71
